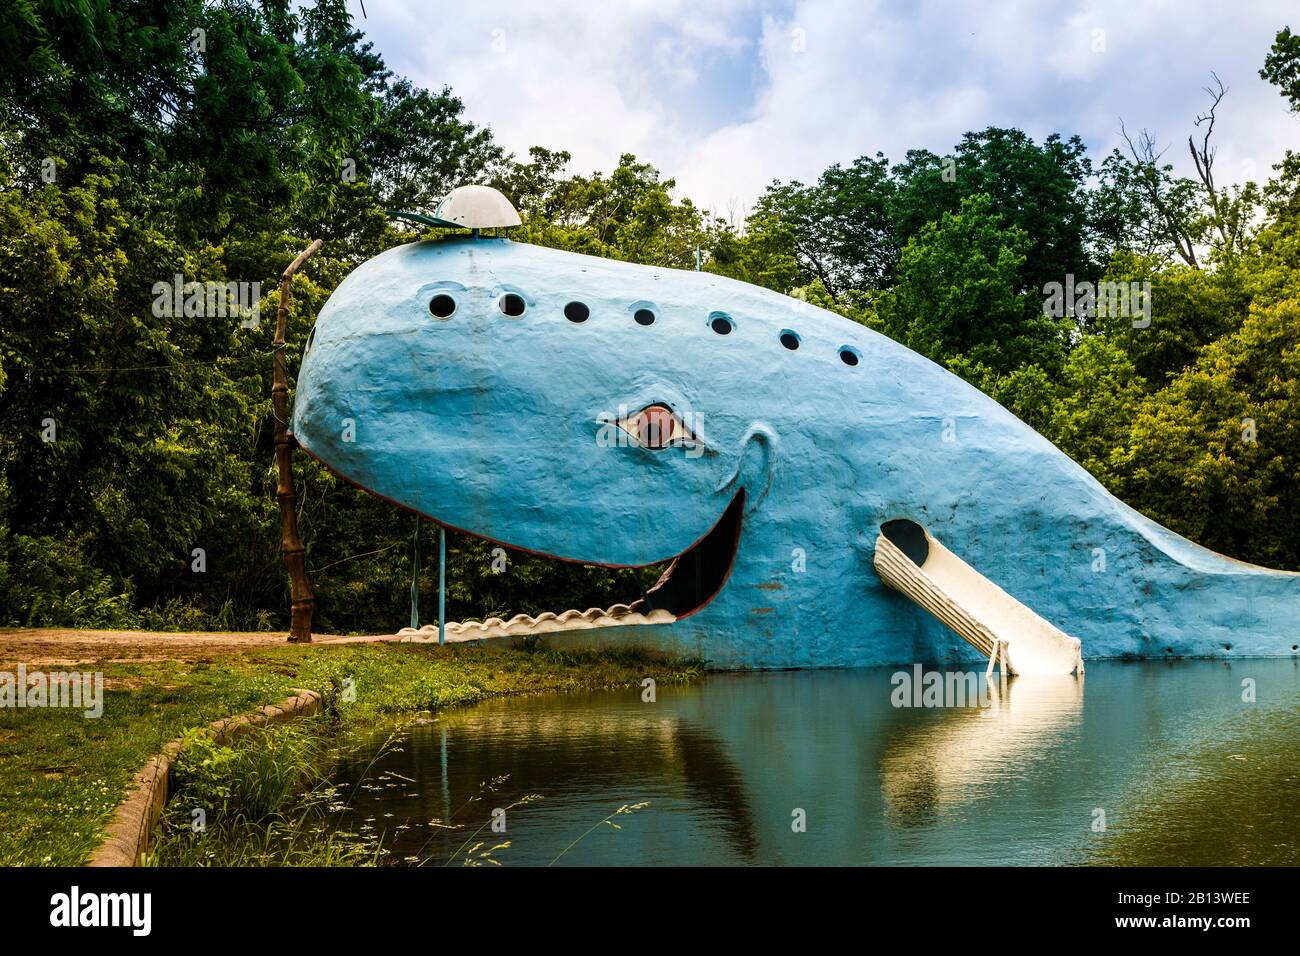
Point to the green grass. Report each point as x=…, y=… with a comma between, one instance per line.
x=258, y=802
x=62, y=775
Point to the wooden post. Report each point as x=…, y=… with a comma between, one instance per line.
x=291, y=549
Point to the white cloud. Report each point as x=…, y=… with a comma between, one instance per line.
x=727, y=95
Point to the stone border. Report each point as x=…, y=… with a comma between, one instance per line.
x=135, y=819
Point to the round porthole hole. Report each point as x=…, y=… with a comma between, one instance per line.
x=721, y=323
x=442, y=306
x=512, y=304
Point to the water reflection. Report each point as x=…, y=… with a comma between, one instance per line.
x=728, y=766
x=606, y=741
x=931, y=767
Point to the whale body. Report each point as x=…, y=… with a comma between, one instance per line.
x=611, y=413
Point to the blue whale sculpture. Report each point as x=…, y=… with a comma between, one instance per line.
x=611, y=413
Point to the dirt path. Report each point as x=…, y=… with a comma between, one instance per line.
x=59, y=646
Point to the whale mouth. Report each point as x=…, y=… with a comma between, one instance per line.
x=691, y=581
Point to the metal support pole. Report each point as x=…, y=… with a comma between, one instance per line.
x=415, y=578
x=442, y=585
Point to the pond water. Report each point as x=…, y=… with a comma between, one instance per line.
x=1143, y=763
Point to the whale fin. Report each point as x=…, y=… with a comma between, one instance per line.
x=910, y=560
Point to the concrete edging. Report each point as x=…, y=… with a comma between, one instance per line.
x=133, y=823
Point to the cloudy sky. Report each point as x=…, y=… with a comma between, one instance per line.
x=727, y=95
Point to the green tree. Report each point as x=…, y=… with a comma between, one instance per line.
x=1190, y=308
x=837, y=231
x=959, y=294
x=1099, y=398
x=1213, y=454
x=215, y=160
x=630, y=214
x=1039, y=190
x=1282, y=66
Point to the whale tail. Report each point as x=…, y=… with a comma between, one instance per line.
x=912, y=561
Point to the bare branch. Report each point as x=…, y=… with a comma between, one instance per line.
x=1147, y=158
x=1144, y=150
x=1203, y=158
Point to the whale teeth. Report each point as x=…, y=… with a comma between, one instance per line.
x=523, y=625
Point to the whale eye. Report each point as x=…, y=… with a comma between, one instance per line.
x=644, y=317
x=849, y=355
x=790, y=339
x=442, y=305
x=576, y=312
x=512, y=304
x=656, y=426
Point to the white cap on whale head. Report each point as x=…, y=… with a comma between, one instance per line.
x=476, y=207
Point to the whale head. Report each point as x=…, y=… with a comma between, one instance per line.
x=581, y=408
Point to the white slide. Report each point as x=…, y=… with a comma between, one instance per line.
x=909, y=559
